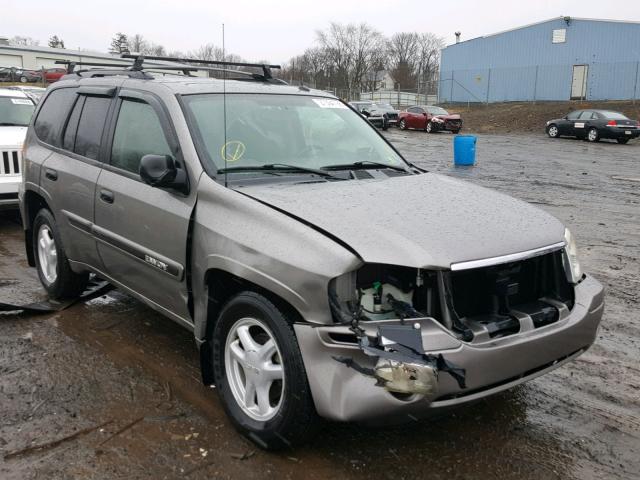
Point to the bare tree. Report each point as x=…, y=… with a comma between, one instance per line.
x=56, y=42
x=137, y=43
x=429, y=47
x=119, y=43
x=19, y=41
x=351, y=52
x=403, y=48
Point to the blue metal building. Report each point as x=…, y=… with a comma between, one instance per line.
x=559, y=59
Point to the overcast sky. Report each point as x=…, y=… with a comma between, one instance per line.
x=275, y=30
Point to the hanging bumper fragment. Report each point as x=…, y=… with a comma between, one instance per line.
x=402, y=365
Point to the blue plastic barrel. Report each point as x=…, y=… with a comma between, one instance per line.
x=464, y=150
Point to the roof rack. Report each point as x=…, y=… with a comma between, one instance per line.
x=138, y=69
x=266, y=69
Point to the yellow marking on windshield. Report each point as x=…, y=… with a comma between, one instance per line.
x=232, y=151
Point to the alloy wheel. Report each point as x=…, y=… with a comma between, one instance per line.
x=553, y=131
x=47, y=254
x=254, y=369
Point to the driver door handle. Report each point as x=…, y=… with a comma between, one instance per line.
x=106, y=196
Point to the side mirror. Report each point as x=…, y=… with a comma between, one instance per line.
x=162, y=171
x=424, y=114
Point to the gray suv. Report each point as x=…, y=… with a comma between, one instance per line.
x=322, y=275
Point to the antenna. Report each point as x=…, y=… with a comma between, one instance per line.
x=224, y=108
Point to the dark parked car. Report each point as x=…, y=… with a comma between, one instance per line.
x=381, y=115
x=593, y=125
x=429, y=118
x=18, y=74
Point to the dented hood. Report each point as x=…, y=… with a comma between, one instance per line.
x=425, y=220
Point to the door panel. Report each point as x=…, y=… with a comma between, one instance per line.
x=67, y=179
x=142, y=231
x=579, y=82
x=142, y=238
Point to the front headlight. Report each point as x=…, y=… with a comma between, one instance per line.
x=570, y=258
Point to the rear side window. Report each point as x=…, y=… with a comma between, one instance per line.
x=138, y=133
x=91, y=126
x=52, y=115
x=586, y=115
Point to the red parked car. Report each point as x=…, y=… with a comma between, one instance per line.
x=54, y=74
x=430, y=119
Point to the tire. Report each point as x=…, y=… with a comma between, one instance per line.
x=553, y=131
x=455, y=132
x=24, y=79
x=56, y=277
x=402, y=125
x=287, y=417
x=593, y=135
x=429, y=127
x=622, y=141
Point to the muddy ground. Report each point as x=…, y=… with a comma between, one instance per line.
x=114, y=362
x=529, y=117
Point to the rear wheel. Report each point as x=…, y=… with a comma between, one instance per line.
x=259, y=373
x=623, y=141
x=593, y=135
x=552, y=131
x=52, y=263
x=402, y=125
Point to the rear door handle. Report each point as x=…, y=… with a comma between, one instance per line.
x=106, y=196
x=51, y=174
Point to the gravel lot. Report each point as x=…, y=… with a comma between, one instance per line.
x=114, y=360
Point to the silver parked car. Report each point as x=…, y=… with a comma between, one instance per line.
x=321, y=273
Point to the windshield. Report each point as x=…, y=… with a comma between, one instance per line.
x=15, y=111
x=614, y=116
x=298, y=130
x=437, y=111
x=383, y=106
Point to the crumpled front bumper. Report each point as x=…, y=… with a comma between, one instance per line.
x=344, y=394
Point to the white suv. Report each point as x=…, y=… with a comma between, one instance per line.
x=16, y=109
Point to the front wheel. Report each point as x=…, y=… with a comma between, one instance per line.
x=24, y=79
x=260, y=375
x=552, y=131
x=593, y=135
x=429, y=127
x=52, y=263
x=456, y=131
x=623, y=141
x=402, y=125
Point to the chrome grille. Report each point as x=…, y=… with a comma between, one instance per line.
x=10, y=162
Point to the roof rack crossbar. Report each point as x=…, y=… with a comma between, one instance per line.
x=266, y=69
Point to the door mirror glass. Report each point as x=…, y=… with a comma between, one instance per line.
x=162, y=171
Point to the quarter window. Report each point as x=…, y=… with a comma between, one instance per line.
x=91, y=126
x=138, y=133
x=48, y=125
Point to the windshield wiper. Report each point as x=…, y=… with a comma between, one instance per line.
x=363, y=165
x=282, y=167
x=11, y=124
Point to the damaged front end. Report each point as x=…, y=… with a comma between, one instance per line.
x=474, y=306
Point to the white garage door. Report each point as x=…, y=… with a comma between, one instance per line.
x=10, y=60
x=43, y=62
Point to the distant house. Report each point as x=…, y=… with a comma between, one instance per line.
x=378, y=80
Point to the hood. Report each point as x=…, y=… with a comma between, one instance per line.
x=12, y=136
x=425, y=220
x=451, y=116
